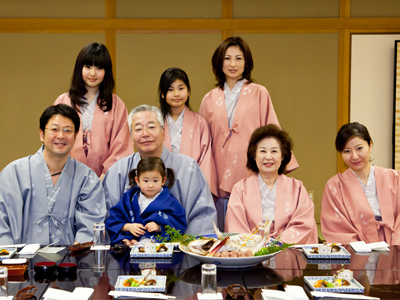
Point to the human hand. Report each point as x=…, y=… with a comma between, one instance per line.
x=136, y=229
x=129, y=242
x=153, y=227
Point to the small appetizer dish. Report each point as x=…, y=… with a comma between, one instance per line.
x=333, y=284
x=152, y=250
x=331, y=251
x=67, y=268
x=6, y=253
x=15, y=267
x=140, y=284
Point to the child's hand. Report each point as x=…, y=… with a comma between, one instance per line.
x=153, y=227
x=129, y=243
x=136, y=229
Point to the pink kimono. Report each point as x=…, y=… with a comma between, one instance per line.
x=109, y=139
x=294, y=210
x=254, y=109
x=346, y=215
x=196, y=143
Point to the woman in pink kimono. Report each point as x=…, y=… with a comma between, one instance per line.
x=270, y=195
x=185, y=131
x=104, y=134
x=233, y=111
x=362, y=203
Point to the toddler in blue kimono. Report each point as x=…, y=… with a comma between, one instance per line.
x=147, y=207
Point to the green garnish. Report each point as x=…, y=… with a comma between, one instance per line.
x=274, y=247
x=175, y=236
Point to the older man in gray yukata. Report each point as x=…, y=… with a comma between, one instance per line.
x=49, y=197
x=190, y=188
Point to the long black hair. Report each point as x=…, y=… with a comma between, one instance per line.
x=167, y=79
x=93, y=54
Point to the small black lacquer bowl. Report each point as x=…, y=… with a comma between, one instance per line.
x=67, y=268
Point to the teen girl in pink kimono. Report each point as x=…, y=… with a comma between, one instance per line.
x=233, y=111
x=104, y=135
x=185, y=131
x=268, y=195
x=362, y=203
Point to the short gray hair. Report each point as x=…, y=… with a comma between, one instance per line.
x=144, y=108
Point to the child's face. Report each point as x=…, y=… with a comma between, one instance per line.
x=177, y=94
x=92, y=76
x=150, y=183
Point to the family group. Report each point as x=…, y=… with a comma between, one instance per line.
x=225, y=164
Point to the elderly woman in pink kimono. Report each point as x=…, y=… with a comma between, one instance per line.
x=362, y=203
x=233, y=111
x=270, y=195
x=104, y=135
x=185, y=131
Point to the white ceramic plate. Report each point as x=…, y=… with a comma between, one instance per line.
x=159, y=287
x=229, y=262
x=11, y=252
x=342, y=254
x=354, y=287
x=162, y=254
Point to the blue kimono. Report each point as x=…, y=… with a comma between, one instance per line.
x=164, y=210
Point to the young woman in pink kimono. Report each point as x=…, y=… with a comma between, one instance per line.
x=185, y=131
x=270, y=195
x=362, y=203
x=104, y=135
x=233, y=111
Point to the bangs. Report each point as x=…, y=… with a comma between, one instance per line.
x=97, y=58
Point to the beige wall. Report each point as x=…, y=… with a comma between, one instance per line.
x=300, y=48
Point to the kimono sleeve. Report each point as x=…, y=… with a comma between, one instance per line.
x=119, y=216
x=335, y=221
x=172, y=214
x=236, y=217
x=197, y=200
x=11, y=204
x=121, y=144
x=301, y=227
x=90, y=208
x=396, y=208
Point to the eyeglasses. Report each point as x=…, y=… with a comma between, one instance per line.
x=149, y=128
x=56, y=130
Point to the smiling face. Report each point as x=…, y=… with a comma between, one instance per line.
x=268, y=157
x=177, y=95
x=150, y=183
x=92, y=76
x=147, y=134
x=58, y=137
x=233, y=66
x=356, y=154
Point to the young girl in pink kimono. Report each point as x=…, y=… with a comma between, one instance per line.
x=233, y=111
x=185, y=131
x=104, y=134
x=269, y=195
x=362, y=203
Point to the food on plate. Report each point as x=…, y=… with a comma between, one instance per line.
x=159, y=248
x=151, y=282
x=80, y=247
x=314, y=250
x=131, y=282
x=335, y=282
x=4, y=252
x=334, y=248
x=241, y=245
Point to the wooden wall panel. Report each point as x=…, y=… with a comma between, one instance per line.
x=51, y=9
x=141, y=59
x=301, y=73
x=35, y=70
x=375, y=8
x=257, y=9
x=161, y=9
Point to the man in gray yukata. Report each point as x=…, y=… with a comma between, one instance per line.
x=190, y=188
x=49, y=197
